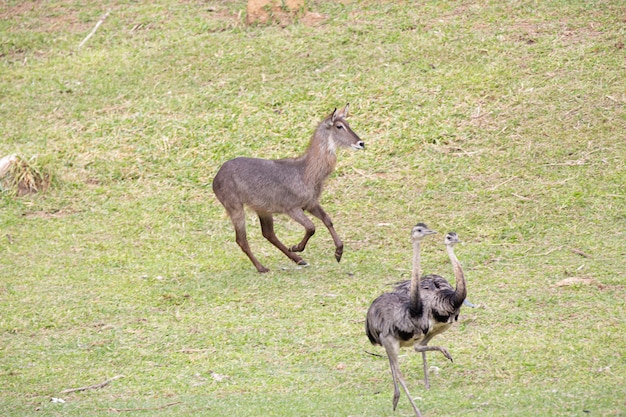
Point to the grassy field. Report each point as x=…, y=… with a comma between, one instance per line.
x=502, y=121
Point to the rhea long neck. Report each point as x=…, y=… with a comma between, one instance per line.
x=461, y=291
x=414, y=291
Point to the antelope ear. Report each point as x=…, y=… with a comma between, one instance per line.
x=333, y=116
x=344, y=112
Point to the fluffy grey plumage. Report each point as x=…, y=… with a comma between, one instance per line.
x=392, y=314
x=438, y=297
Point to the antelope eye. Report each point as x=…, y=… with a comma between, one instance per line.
x=339, y=126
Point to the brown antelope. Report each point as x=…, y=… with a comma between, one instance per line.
x=288, y=186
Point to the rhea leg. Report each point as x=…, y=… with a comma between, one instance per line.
x=392, y=347
x=425, y=362
x=267, y=227
x=237, y=216
x=319, y=212
x=393, y=365
x=424, y=349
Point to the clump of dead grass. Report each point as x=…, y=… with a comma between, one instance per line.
x=23, y=177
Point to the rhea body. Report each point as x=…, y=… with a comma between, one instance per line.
x=397, y=319
x=290, y=186
x=441, y=302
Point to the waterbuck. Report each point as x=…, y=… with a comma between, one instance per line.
x=288, y=186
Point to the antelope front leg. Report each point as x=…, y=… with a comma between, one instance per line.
x=319, y=212
x=309, y=228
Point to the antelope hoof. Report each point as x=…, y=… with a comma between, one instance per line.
x=262, y=270
x=303, y=263
x=295, y=249
x=338, y=254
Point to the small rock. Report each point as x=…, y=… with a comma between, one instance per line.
x=218, y=377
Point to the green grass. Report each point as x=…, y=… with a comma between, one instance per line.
x=504, y=122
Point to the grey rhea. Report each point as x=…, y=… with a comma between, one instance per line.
x=441, y=302
x=290, y=186
x=396, y=319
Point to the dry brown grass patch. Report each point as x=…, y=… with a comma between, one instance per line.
x=23, y=177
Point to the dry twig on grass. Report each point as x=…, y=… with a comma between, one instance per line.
x=190, y=350
x=573, y=281
x=102, y=19
x=96, y=386
x=374, y=354
x=119, y=410
x=579, y=252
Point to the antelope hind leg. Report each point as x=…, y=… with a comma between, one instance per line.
x=267, y=227
x=239, y=222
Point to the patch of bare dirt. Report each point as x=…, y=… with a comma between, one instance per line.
x=40, y=16
x=53, y=214
x=313, y=19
